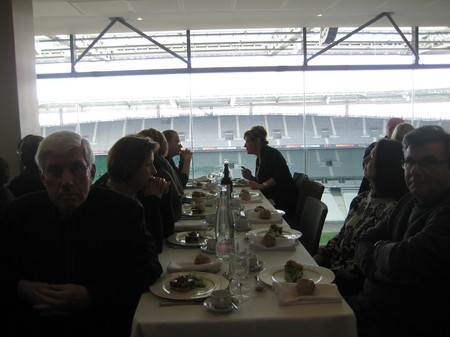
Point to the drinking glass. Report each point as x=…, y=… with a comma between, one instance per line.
x=239, y=268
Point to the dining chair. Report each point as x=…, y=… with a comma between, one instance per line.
x=305, y=188
x=311, y=224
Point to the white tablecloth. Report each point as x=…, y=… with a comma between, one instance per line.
x=260, y=316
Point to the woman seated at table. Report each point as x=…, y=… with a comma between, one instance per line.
x=131, y=171
x=384, y=170
x=166, y=171
x=272, y=175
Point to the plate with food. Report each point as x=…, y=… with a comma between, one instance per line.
x=277, y=231
x=240, y=182
x=292, y=273
x=197, y=210
x=188, y=285
x=263, y=215
x=190, y=238
x=200, y=196
x=247, y=196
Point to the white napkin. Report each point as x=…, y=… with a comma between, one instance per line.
x=212, y=267
x=193, y=225
x=282, y=244
x=323, y=293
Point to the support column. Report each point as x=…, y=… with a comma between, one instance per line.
x=18, y=94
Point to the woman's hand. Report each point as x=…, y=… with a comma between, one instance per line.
x=247, y=174
x=157, y=187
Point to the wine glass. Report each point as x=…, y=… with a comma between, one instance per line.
x=239, y=268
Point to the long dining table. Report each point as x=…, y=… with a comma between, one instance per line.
x=259, y=316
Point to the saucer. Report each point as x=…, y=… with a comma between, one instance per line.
x=205, y=249
x=258, y=266
x=208, y=305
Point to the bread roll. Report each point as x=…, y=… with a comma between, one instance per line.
x=202, y=258
x=305, y=287
x=269, y=240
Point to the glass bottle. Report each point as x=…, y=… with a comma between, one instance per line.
x=226, y=180
x=224, y=226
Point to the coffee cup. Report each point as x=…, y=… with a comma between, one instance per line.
x=221, y=299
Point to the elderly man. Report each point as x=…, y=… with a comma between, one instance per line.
x=406, y=257
x=74, y=258
x=175, y=149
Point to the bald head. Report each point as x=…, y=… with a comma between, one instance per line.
x=391, y=124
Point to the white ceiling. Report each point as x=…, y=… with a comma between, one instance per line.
x=92, y=16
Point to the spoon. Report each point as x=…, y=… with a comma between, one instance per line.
x=259, y=286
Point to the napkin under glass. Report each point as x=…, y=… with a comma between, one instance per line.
x=323, y=293
x=212, y=267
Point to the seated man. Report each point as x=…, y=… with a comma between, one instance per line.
x=74, y=258
x=175, y=149
x=406, y=257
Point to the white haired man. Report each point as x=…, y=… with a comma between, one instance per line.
x=74, y=258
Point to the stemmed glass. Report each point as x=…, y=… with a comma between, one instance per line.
x=239, y=268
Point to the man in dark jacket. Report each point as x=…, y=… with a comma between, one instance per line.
x=406, y=257
x=74, y=259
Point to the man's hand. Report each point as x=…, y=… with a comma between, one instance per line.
x=54, y=299
x=186, y=155
x=157, y=187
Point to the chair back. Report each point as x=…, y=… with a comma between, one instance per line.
x=305, y=188
x=311, y=224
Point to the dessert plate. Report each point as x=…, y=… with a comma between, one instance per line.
x=287, y=233
x=180, y=239
x=314, y=273
x=212, y=282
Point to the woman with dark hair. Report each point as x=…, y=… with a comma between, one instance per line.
x=131, y=172
x=272, y=175
x=383, y=168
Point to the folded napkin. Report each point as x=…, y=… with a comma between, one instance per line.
x=193, y=225
x=282, y=244
x=212, y=267
x=323, y=293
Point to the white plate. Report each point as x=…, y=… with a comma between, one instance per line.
x=212, y=281
x=207, y=195
x=287, y=233
x=187, y=210
x=208, y=305
x=314, y=273
x=253, y=217
x=180, y=239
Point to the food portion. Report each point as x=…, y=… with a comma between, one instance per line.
x=263, y=213
x=245, y=195
x=192, y=237
x=269, y=240
x=305, y=287
x=198, y=209
x=202, y=258
x=293, y=271
x=240, y=182
x=276, y=230
x=184, y=283
x=198, y=197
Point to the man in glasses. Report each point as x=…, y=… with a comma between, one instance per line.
x=406, y=257
x=74, y=258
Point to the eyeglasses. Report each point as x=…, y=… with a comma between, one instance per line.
x=77, y=170
x=424, y=163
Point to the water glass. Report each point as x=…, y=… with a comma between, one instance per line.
x=239, y=268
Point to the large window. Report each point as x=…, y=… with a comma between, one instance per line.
x=321, y=112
